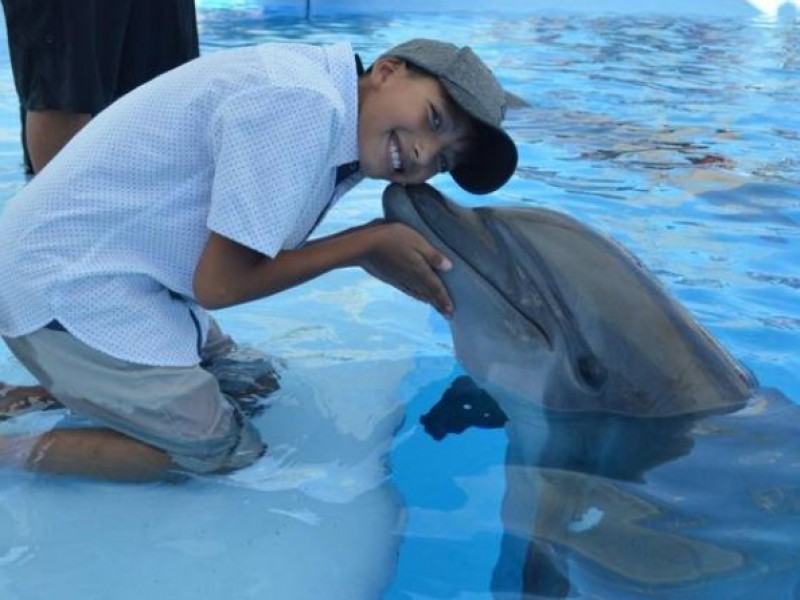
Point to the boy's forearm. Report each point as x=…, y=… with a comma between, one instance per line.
x=229, y=273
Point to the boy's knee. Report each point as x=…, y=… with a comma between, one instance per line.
x=240, y=447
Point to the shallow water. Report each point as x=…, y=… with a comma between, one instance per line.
x=675, y=131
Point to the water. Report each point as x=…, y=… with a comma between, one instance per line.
x=673, y=128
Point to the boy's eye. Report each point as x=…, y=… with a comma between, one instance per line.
x=436, y=119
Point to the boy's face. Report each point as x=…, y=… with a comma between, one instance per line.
x=408, y=129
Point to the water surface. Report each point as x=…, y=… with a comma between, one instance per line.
x=675, y=131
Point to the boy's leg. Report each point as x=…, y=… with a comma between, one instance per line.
x=244, y=375
x=95, y=453
x=164, y=419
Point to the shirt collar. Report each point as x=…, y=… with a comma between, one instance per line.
x=344, y=72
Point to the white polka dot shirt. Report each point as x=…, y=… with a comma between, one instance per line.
x=106, y=238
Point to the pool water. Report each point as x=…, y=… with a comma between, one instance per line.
x=674, y=128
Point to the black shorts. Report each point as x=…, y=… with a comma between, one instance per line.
x=80, y=55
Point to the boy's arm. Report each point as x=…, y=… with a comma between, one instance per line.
x=229, y=273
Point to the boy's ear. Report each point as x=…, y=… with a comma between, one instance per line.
x=383, y=68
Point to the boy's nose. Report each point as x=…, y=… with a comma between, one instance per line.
x=426, y=150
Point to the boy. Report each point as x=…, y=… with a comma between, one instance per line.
x=198, y=191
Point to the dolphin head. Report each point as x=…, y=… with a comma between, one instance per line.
x=549, y=311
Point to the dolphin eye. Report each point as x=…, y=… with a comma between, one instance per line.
x=591, y=371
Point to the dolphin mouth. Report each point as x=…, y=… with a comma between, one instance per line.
x=440, y=220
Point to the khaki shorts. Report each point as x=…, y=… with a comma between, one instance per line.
x=180, y=410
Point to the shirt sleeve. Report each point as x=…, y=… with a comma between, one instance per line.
x=270, y=148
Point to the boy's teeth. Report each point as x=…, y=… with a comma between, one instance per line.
x=395, y=154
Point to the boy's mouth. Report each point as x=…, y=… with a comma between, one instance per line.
x=394, y=154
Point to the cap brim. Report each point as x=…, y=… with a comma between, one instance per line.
x=492, y=163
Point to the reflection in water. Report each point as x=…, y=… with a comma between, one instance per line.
x=620, y=501
x=763, y=203
x=657, y=93
x=617, y=506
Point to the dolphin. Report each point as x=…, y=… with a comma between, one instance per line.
x=629, y=426
x=550, y=311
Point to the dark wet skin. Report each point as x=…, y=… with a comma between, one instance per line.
x=16, y=400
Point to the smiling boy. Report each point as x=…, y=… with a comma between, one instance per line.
x=199, y=190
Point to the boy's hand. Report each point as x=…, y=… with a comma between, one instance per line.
x=404, y=259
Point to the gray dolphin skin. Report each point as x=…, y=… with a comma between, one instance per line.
x=550, y=311
x=642, y=459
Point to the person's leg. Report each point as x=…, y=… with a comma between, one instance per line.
x=20, y=399
x=154, y=422
x=159, y=36
x=95, y=453
x=48, y=131
x=26, y=157
x=245, y=375
x=62, y=73
x=72, y=78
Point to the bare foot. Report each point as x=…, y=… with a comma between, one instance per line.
x=19, y=399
